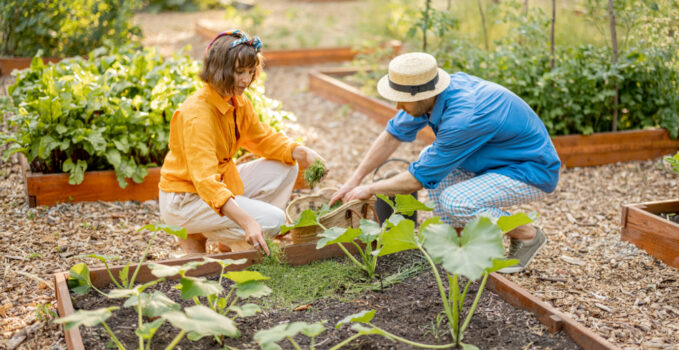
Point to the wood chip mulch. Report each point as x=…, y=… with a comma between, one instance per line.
x=585, y=270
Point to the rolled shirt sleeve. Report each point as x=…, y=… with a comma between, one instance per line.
x=404, y=127
x=261, y=140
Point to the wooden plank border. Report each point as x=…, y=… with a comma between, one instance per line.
x=8, y=64
x=305, y=253
x=574, y=150
x=298, y=57
x=659, y=237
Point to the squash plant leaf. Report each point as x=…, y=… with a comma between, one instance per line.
x=314, y=329
x=246, y=310
x=87, y=318
x=225, y=262
x=337, y=235
x=79, y=279
x=400, y=237
x=268, y=338
x=148, y=330
x=430, y=221
x=124, y=274
x=364, y=316
x=202, y=321
x=499, y=264
x=363, y=330
x=160, y=270
x=406, y=204
x=252, y=289
x=198, y=287
x=245, y=276
x=370, y=230
x=152, y=305
x=468, y=346
x=508, y=223
x=469, y=255
x=307, y=218
x=170, y=229
x=102, y=258
x=121, y=293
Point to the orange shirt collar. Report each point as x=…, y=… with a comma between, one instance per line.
x=213, y=98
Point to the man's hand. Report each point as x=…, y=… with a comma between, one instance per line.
x=341, y=193
x=305, y=156
x=359, y=192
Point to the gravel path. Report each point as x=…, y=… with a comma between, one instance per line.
x=612, y=287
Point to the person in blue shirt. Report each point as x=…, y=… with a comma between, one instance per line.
x=491, y=150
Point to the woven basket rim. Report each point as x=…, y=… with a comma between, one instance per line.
x=321, y=193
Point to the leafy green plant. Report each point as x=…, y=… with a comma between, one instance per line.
x=314, y=173
x=213, y=315
x=673, y=161
x=64, y=28
x=178, y=5
x=109, y=111
x=372, y=234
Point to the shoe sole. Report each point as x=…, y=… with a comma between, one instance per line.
x=519, y=268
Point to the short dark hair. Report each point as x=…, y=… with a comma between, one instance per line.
x=220, y=60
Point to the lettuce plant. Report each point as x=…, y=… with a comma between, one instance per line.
x=213, y=315
x=673, y=162
x=372, y=234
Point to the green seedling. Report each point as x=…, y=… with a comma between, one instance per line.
x=372, y=234
x=314, y=173
x=213, y=315
x=673, y=161
x=311, y=217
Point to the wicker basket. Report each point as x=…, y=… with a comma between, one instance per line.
x=347, y=215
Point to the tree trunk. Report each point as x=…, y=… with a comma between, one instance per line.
x=614, y=43
x=483, y=24
x=551, y=36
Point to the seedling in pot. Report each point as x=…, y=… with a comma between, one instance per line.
x=371, y=233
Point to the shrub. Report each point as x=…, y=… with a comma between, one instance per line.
x=64, y=28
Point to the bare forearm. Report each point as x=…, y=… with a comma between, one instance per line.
x=403, y=183
x=233, y=211
x=378, y=153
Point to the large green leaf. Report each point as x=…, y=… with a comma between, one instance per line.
x=252, y=289
x=370, y=231
x=246, y=310
x=337, y=235
x=225, y=262
x=152, y=305
x=399, y=238
x=499, y=264
x=203, y=321
x=364, y=316
x=306, y=219
x=508, y=223
x=406, y=204
x=199, y=287
x=148, y=330
x=269, y=337
x=245, y=276
x=471, y=254
x=160, y=270
x=86, y=318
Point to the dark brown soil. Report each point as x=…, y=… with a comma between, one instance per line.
x=407, y=309
x=674, y=217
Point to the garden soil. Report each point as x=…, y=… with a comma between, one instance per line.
x=585, y=270
x=407, y=309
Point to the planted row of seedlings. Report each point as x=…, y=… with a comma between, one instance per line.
x=460, y=264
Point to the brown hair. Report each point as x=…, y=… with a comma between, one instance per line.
x=220, y=61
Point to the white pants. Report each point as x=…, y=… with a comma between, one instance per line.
x=267, y=188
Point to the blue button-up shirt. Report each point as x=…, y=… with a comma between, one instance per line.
x=483, y=128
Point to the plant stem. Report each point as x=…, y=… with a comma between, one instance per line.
x=365, y=268
x=141, y=261
x=111, y=275
x=294, y=343
x=473, y=308
x=197, y=301
x=456, y=302
x=227, y=308
x=140, y=321
x=176, y=340
x=442, y=291
x=416, y=344
x=345, y=342
x=113, y=336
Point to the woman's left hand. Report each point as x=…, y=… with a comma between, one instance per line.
x=305, y=156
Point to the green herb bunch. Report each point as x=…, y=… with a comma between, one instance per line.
x=314, y=173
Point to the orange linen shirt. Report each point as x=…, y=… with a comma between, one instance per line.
x=203, y=142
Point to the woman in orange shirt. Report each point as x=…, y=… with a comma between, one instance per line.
x=201, y=188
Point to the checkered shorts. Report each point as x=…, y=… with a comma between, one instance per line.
x=461, y=196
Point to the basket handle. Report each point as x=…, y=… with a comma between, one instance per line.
x=364, y=209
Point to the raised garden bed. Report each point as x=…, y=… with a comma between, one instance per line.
x=650, y=228
x=50, y=189
x=574, y=150
x=8, y=64
x=306, y=253
x=299, y=57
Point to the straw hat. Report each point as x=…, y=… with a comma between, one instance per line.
x=413, y=77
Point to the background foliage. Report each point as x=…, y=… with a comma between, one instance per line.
x=110, y=111
x=576, y=96
x=64, y=28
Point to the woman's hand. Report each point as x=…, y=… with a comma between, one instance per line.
x=305, y=156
